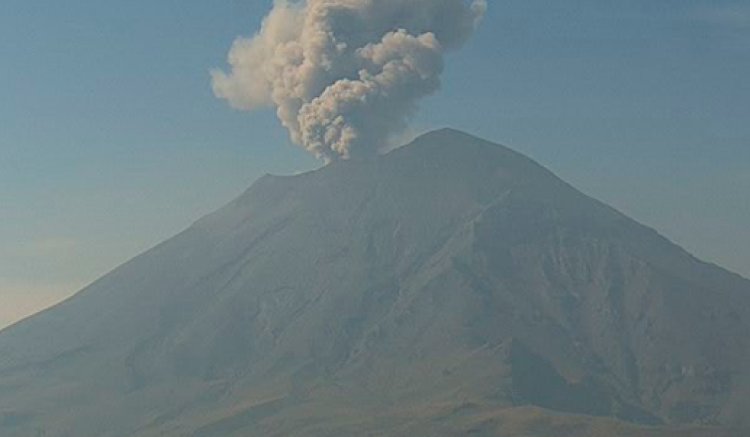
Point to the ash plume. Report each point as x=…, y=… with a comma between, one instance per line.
x=345, y=75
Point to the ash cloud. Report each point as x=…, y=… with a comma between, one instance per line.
x=345, y=75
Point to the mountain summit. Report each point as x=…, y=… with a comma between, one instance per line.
x=450, y=287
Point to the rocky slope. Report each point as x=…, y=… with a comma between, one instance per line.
x=450, y=287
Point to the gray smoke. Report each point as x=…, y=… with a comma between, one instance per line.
x=345, y=75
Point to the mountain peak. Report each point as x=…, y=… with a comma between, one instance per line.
x=452, y=138
x=447, y=133
x=436, y=287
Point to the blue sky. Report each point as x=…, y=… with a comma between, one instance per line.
x=111, y=139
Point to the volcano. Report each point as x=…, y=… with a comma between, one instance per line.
x=449, y=287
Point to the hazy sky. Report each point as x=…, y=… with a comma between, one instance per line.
x=111, y=139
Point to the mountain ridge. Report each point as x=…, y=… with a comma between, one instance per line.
x=448, y=272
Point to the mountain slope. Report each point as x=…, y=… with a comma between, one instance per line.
x=434, y=290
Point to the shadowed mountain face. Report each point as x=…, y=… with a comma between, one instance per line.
x=450, y=287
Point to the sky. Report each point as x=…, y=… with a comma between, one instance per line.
x=111, y=139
